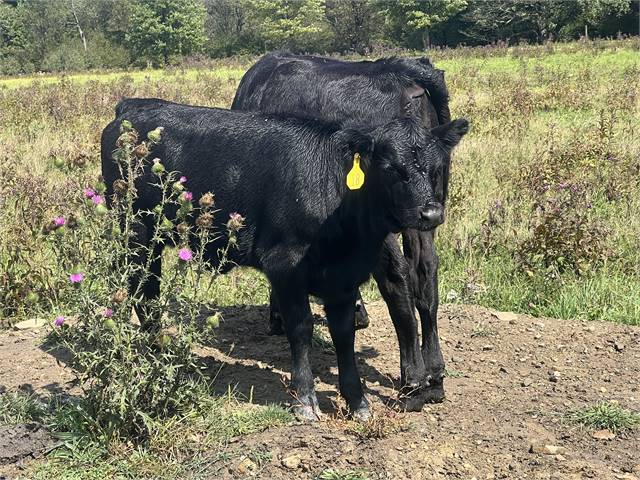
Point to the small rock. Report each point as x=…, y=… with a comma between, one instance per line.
x=246, y=466
x=487, y=347
x=31, y=323
x=291, y=462
x=590, y=328
x=635, y=468
x=605, y=434
x=561, y=458
x=547, y=449
x=505, y=316
x=603, y=390
x=553, y=376
x=503, y=370
x=618, y=346
x=526, y=382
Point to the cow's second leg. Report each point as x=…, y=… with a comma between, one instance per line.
x=298, y=325
x=391, y=275
x=341, y=326
x=419, y=249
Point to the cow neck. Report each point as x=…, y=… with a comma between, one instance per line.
x=360, y=215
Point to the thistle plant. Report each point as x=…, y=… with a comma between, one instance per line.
x=133, y=376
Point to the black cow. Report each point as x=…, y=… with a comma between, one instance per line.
x=304, y=228
x=372, y=94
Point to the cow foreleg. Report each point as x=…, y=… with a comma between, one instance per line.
x=340, y=318
x=392, y=275
x=419, y=249
x=298, y=325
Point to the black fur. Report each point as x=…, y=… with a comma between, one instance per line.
x=304, y=229
x=371, y=94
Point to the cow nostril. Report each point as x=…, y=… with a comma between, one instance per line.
x=432, y=214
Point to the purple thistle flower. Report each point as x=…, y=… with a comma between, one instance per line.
x=187, y=196
x=97, y=199
x=108, y=313
x=76, y=277
x=185, y=254
x=183, y=179
x=59, y=321
x=59, y=221
x=89, y=192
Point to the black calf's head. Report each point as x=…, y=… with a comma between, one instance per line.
x=409, y=170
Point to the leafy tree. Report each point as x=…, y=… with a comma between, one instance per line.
x=409, y=19
x=354, y=24
x=298, y=25
x=162, y=28
x=227, y=27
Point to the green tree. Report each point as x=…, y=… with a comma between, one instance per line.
x=411, y=19
x=160, y=29
x=354, y=23
x=298, y=25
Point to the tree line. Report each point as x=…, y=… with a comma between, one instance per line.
x=59, y=35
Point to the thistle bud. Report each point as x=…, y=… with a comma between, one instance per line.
x=109, y=323
x=126, y=126
x=101, y=210
x=205, y=220
x=119, y=296
x=120, y=187
x=183, y=228
x=141, y=151
x=207, y=200
x=155, y=135
x=157, y=168
x=58, y=162
x=166, y=225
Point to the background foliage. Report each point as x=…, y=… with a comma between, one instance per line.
x=44, y=35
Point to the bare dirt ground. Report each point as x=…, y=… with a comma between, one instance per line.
x=513, y=378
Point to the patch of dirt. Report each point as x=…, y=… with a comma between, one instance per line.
x=18, y=442
x=513, y=378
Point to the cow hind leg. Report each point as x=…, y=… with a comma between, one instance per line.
x=342, y=329
x=146, y=284
x=298, y=325
x=276, y=325
x=361, y=316
x=419, y=249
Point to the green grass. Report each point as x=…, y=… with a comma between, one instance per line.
x=605, y=415
x=19, y=407
x=195, y=445
x=337, y=474
x=136, y=76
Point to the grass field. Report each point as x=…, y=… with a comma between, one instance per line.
x=544, y=189
x=542, y=215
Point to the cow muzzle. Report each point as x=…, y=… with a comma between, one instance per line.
x=432, y=215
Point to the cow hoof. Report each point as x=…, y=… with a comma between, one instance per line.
x=361, y=414
x=361, y=316
x=414, y=403
x=306, y=413
x=434, y=393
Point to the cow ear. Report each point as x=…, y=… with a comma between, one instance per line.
x=451, y=133
x=411, y=93
x=358, y=142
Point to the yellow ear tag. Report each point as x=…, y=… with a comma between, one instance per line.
x=355, y=177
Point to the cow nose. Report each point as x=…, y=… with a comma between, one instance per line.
x=433, y=214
